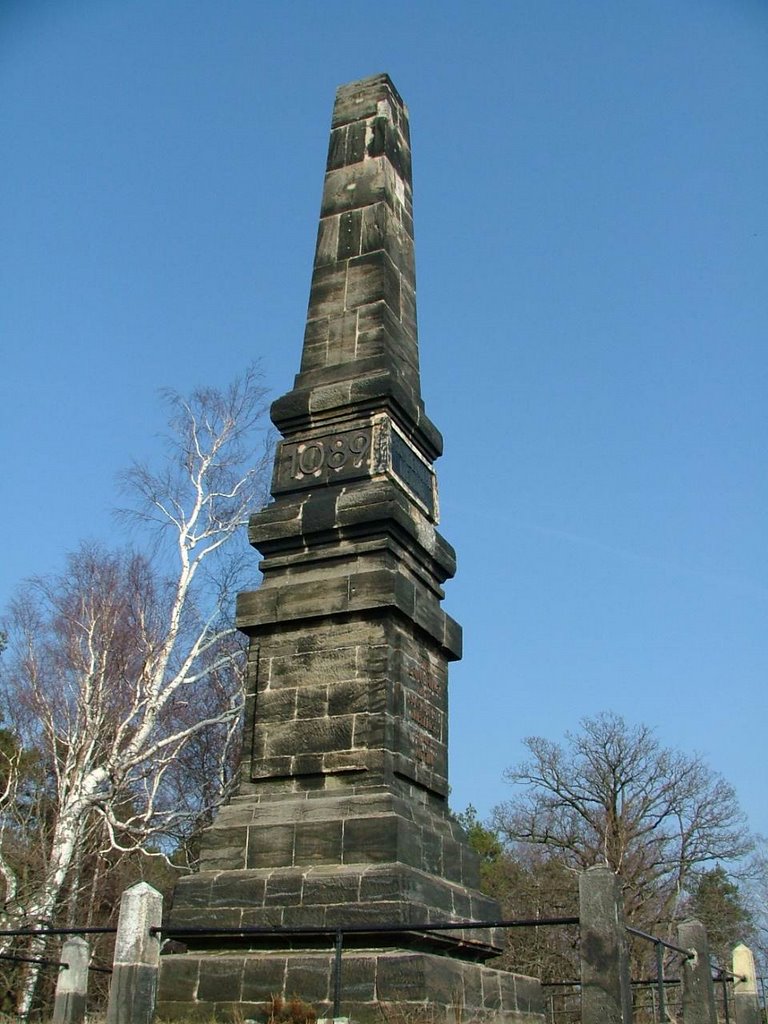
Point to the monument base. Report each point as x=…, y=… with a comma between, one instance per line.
x=348, y=857
x=377, y=987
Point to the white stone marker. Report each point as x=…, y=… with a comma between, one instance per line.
x=745, y=996
x=137, y=957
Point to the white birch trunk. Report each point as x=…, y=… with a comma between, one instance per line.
x=104, y=662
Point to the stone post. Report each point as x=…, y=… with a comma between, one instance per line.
x=698, y=987
x=745, y=996
x=606, y=995
x=137, y=957
x=72, y=983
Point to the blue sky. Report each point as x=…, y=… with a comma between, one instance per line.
x=592, y=248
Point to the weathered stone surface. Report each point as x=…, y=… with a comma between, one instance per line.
x=318, y=842
x=223, y=850
x=606, y=996
x=698, y=996
x=222, y=984
x=237, y=888
x=369, y=978
x=72, y=982
x=330, y=896
x=270, y=846
x=309, y=975
x=363, y=828
x=179, y=985
x=263, y=976
x=342, y=816
x=137, y=955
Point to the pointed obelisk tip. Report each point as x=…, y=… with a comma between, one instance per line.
x=361, y=341
x=370, y=120
x=358, y=100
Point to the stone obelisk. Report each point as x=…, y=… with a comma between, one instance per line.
x=342, y=815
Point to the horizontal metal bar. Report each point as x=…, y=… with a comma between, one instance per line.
x=687, y=953
x=58, y=931
x=364, y=929
x=34, y=960
x=722, y=971
x=655, y=981
x=639, y=981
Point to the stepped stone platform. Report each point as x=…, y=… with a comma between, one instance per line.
x=359, y=858
x=342, y=820
x=378, y=986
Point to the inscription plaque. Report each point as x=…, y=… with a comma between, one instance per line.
x=350, y=454
x=320, y=460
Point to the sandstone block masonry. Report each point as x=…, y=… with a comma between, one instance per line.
x=342, y=816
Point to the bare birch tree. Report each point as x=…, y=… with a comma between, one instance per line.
x=122, y=661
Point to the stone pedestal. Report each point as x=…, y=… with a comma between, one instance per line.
x=377, y=986
x=327, y=860
x=342, y=815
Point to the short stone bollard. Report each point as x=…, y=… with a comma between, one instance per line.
x=698, y=987
x=745, y=997
x=72, y=983
x=137, y=957
x=606, y=994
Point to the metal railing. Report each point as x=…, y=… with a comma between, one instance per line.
x=659, y=946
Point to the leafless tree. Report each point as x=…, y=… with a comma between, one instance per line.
x=755, y=886
x=123, y=662
x=613, y=794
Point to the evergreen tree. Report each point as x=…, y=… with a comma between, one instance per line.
x=717, y=902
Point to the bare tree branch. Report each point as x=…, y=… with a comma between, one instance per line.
x=613, y=794
x=120, y=663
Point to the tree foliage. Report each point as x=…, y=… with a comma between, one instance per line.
x=528, y=884
x=717, y=901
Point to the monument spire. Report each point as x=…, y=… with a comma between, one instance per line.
x=360, y=342
x=342, y=815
